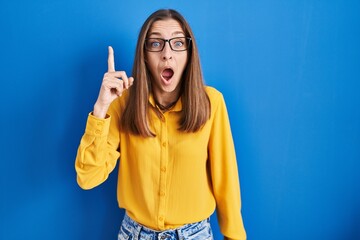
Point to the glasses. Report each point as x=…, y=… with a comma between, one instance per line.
x=176, y=44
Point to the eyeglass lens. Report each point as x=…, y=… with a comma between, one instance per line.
x=158, y=44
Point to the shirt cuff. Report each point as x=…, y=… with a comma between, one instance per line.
x=97, y=127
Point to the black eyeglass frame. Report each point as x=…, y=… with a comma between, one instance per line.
x=168, y=41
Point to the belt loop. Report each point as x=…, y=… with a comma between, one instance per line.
x=180, y=234
x=137, y=232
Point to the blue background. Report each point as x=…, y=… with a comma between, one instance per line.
x=289, y=71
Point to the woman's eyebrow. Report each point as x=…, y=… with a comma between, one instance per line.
x=177, y=33
x=155, y=33
x=158, y=34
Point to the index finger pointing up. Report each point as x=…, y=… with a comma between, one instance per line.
x=111, y=62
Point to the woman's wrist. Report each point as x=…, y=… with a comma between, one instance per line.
x=100, y=111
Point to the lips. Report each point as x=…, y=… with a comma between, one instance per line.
x=167, y=74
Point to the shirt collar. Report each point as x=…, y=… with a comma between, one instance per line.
x=176, y=108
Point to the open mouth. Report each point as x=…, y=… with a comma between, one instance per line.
x=167, y=74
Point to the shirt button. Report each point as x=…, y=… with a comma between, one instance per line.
x=163, y=169
x=97, y=132
x=161, y=218
x=164, y=144
x=162, y=193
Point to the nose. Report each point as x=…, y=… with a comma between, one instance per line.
x=166, y=52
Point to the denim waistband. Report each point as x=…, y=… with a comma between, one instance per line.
x=178, y=233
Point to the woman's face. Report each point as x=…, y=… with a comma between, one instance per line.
x=166, y=66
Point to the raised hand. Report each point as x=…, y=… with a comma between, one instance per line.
x=112, y=87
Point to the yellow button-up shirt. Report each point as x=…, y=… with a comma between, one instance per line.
x=172, y=179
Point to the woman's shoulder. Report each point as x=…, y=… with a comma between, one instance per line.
x=213, y=94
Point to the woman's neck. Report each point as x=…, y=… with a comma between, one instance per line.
x=166, y=101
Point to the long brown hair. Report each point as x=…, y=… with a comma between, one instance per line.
x=195, y=102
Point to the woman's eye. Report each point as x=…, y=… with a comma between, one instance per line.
x=179, y=43
x=155, y=44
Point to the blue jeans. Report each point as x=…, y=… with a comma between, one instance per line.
x=194, y=231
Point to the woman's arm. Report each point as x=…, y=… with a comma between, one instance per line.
x=98, y=150
x=224, y=174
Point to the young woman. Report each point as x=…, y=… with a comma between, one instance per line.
x=172, y=136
